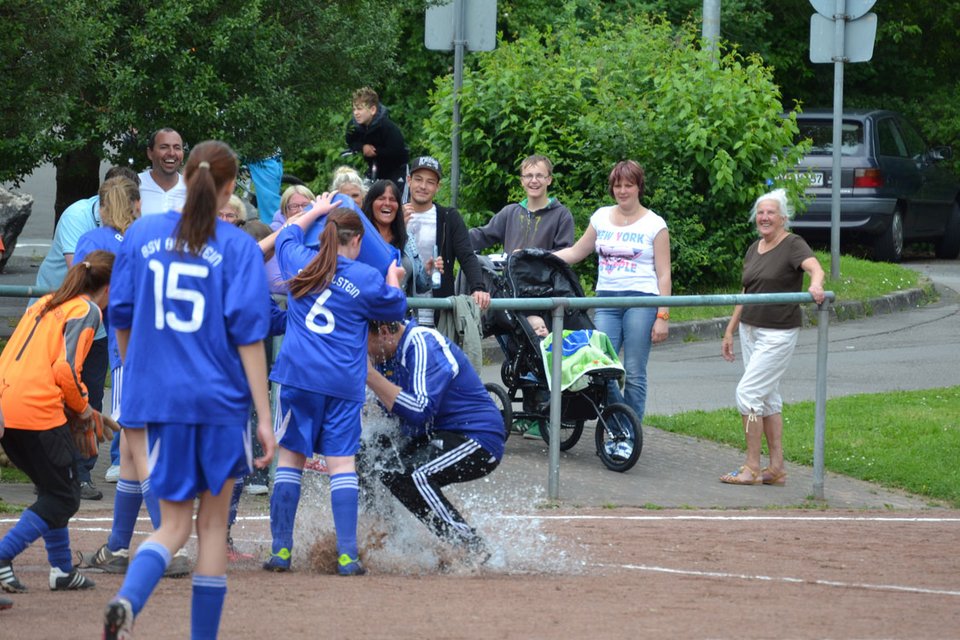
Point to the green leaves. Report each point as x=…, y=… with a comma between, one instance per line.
x=709, y=135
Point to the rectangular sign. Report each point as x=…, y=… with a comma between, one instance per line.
x=858, y=38
x=479, y=25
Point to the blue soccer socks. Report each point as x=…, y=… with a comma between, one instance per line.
x=206, y=606
x=344, y=492
x=126, y=508
x=283, y=509
x=145, y=571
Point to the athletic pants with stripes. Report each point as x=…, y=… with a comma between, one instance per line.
x=428, y=465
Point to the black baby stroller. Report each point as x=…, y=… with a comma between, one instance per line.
x=533, y=273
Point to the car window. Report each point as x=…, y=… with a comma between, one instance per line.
x=912, y=139
x=821, y=133
x=889, y=142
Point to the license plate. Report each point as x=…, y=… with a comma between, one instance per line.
x=816, y=178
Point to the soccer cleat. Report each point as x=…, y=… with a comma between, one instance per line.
x=8, y=581
x=113, y=474
x=179, y=565
x=234, y=554
x=347, y=566
x=279, y=561
x=73, y=581
x=111, y=561
x=256, y=489
x=118, y=620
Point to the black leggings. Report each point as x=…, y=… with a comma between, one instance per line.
x=47, y=457
x=426, y=465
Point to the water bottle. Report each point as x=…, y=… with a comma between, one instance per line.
x=435, y=276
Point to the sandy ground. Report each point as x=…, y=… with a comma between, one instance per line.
x=600, y=573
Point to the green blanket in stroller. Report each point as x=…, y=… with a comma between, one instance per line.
x=585, y=351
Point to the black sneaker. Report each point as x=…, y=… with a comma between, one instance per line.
x=90, y=492
x=8, y=581
x=118, y=620
x=111, y=561
x=73, y=581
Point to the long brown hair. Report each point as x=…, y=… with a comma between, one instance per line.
x=342, y=226
x=212, y=165
x=87, y=276
x=117, y=197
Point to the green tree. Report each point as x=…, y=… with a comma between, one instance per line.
x=710, y=134
x=259, y=74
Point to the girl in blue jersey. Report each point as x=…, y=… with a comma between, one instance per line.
x=190, y=325
x=322, y=370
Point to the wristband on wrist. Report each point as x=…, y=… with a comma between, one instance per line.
x=663, y=315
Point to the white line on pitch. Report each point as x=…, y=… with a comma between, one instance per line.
x=741, y=518
x=110, y=519
x=826, y=583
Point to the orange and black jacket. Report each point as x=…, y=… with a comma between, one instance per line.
x=40, y=366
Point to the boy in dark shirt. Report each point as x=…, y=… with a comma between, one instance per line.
x=372, y=133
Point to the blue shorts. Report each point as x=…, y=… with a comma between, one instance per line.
x=116, y=394
x=308, y=422
x=184, y=460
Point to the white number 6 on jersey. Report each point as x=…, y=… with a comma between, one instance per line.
x=319, y=310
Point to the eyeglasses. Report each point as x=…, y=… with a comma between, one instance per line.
x=539, y=177
x=294, y=207
x=228, y=216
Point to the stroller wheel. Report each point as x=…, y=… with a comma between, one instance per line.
x=570, y=432
x=619, y=437
x=501, y=399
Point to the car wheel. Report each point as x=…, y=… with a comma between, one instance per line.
x=889, y=245
x=948, y=247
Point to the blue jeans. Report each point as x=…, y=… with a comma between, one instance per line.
x=94, y=376
x=629, y=328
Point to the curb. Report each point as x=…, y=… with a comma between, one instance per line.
x=713, y=329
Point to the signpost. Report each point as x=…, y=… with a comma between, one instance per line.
x=841, y=31
x=460, y=25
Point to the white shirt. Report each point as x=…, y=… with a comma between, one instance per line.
x=153, y=198
x=625, y=253
x=423, y=226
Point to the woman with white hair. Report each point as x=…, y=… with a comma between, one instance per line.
x=768, y=333
x=347, y=181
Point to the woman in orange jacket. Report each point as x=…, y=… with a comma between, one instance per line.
x=40, y=376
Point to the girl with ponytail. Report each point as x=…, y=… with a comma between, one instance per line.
x=190, y=319
x=40, y=371
x=322, y=369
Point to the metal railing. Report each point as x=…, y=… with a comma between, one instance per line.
x=558, y=306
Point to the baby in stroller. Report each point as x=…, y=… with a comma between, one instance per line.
x=589, y=362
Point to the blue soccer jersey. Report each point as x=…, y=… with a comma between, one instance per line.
x=187, y=314
x=104, y=239
x=441, y=391
x=325, y=347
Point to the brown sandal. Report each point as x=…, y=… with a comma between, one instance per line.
x=743, y=475
x=769, y=477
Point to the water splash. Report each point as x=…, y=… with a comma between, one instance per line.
x=393, y=541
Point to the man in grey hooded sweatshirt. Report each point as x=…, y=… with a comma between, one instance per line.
x=537, y=221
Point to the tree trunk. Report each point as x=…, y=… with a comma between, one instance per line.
x=78, y=177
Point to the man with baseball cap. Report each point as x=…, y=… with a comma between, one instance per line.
x=440, y=229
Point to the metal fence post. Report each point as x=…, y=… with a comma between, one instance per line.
x=820, y=421
x=553, y=474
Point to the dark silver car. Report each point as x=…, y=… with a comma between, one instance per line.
x=894, y=188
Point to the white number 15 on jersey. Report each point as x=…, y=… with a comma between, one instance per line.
x=173, y=291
